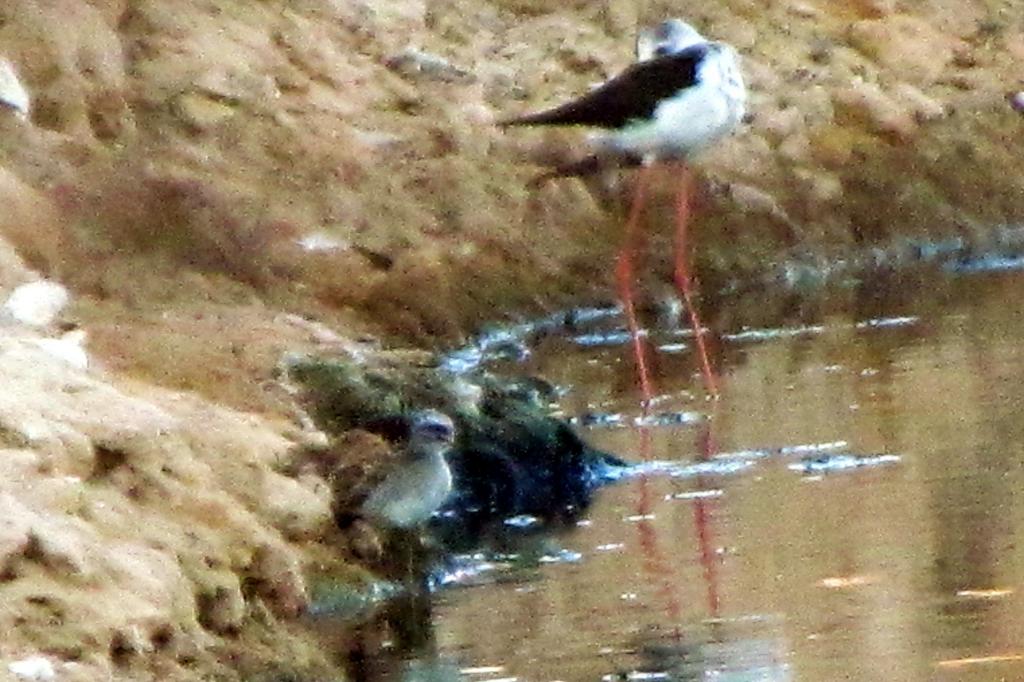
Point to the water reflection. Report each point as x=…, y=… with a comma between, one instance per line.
x=770, y=572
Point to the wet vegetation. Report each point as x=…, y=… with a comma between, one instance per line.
x=512, y=457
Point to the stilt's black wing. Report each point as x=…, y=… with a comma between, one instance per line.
x=633, y=94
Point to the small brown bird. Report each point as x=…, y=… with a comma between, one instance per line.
x=397, y=492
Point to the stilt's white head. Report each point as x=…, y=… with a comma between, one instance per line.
x=668, y=37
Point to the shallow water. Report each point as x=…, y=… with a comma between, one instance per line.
x=777, y=560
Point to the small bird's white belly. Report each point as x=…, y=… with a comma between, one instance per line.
x=410, y=496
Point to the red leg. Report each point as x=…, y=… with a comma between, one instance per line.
x=681, y=275
x=624, y=277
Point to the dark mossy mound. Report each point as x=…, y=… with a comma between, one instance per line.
x=511, y=457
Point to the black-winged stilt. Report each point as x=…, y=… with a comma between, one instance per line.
x=682, y=95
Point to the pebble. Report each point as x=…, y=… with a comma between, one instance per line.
x=12, y=93
x=322, y=241
x=201, y=111
x=415, y=64
x=1016, y=100
x=33, y=668
x=36, y=304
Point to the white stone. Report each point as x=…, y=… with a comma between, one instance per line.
x=322, y=241
x=414, y=63
x=36, y=303
x=33, y=668
x=12, y=93
x=1016, y=100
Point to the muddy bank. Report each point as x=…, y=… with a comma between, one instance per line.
x=207, y=180
x=145, y=532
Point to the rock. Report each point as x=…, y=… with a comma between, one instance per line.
x=415, y=64
x=13, y=95
x=200, y=111
x=37, y=668
x=1016, y=100
x=376, y=140
x=578, y=60
x=322, y=241
x=867, y=105
x=36, y=304
x=234, y=83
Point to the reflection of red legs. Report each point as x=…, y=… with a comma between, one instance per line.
x=625, y=279
x=655, y=564
x=681, y=275
x=703, y=513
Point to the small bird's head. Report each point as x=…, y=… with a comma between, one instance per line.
x=431, y=428
x=668, y=37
